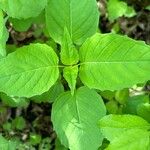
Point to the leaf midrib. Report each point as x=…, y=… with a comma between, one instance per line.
x=115, y=62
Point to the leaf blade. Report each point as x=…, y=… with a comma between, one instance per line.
x=70, y=74
x=3, y=36
x=132, y=139
x=26, y=9
x=112, y=61
x=80, y=24
x=79, y=123
x=69, y=53
x=25, y=74
x=113, y=126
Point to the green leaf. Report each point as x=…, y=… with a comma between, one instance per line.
x=112, y=107
x=3, y=143
x=134, y=139
x=58, y=145
x=29, y=71
x=122, y=96
x=134, y=102
x=79, y=16
x=7, y=144
x=50, y=95
x=117, y=11
x=14, y=101
x=113, y=62
x=143, y=110
x=75, y=119
x=3, y=36
x=70, y=74
x=21, y=25
x=118, y=8
x=130, y=12
x=148, y=7
x=18, y=123
x=7, y=126
x=113, y=126
x=22, y=9
x=35, y=139
x=69, y=54
x=108, y=95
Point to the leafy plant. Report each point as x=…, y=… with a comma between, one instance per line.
x=89, y=62
x=119, y=8
x=125, y=132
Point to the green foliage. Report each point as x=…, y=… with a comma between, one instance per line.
x=112, y=107
x=114, y=125
x=79, y=125
x=50, y=95
x=84, y=74
x=69, y=53
x=23, y=9
x=148, y=7
x=21, y=25
x=14, y=101
x=125, y=132
x=132, y=139
x=143, y=110
x=118, y=8
x=70, y=74
x=59, y=146
x=111, y=61
x=7, y=144
x=25, y=74
x=3, y=35
x=134, y=102
x=18, y=123
x=80, y=24
x=122, y=96
x=35, y=139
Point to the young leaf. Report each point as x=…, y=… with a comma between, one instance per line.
x=79, y=16
x=3, y=36
x=7, y=144
x=75, y=119
x=59, y=146
x=113, y=62
x=112, y=107
x=14, y=101
x=19, y=123
x=134, y=139
x=3, y=143
x=113, y=126
x=143, y=110
x=134, y=102
x=21, y=25
x=29, y=71
x=50, y=95
x=69, y=53
x=22, y=9
x=117, y=11
x=148, y=7
x=70, y=74
x=122, y=96
x=121, y=8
